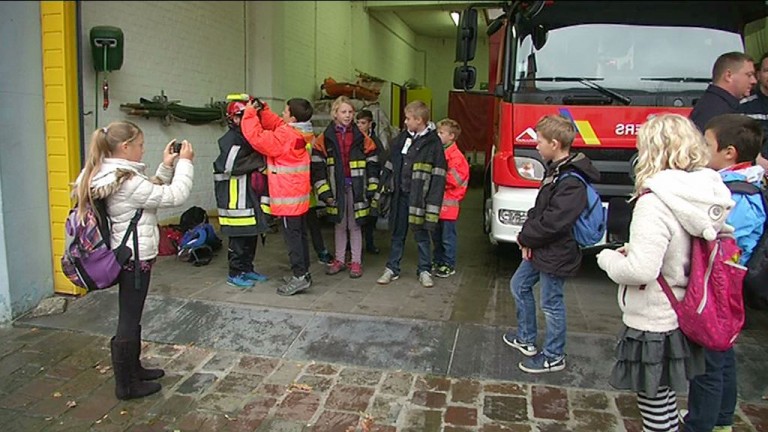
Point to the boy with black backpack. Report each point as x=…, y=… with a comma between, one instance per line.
x=734, y=142
x=550, y=251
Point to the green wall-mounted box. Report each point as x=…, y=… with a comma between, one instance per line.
x=107, y=44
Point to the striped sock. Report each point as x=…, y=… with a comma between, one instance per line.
x=658, y=411
x=674, y=422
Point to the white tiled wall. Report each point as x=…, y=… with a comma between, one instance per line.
x=194, y=51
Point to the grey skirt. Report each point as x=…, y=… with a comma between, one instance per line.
x=647, y=361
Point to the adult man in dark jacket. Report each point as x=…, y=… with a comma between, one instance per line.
x=756, y=106
x=733, y=76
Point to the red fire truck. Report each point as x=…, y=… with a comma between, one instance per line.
x=607, y=66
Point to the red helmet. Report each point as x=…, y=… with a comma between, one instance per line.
x=235, y=108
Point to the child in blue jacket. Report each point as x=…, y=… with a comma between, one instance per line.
x=734, y=142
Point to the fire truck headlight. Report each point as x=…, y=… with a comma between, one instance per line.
x=529, y=168
x=512, y=217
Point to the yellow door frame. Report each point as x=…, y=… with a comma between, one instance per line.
x=62, y=133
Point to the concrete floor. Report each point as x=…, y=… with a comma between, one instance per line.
x=453, y=329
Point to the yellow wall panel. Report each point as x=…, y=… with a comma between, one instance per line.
x=60, y=93
x=53, y=23
x=52, y=76
x=53, y=58
x=56, y=158
x=60, y=198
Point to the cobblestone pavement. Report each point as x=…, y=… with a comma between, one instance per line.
x=54, y=380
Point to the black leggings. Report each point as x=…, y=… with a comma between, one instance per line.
x=131, y=303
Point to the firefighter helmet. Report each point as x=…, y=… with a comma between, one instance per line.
x=235, y=108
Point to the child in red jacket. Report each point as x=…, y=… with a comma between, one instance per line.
x=456, y=180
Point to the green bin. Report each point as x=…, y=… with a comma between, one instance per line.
x=107, y=48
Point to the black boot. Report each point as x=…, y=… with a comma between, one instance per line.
x=127, y=383
x=144, y=374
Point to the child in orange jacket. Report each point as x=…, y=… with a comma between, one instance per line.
x=287, y=177
x=456, y=181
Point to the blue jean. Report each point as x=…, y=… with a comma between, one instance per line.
x=712, y=395
x=400, y=231
x=444, y=239
x=552, y=305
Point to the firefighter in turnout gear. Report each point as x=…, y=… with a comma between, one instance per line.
x=239, y=183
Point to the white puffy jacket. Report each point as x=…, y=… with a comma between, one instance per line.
x=683, y=204
x=127, y=188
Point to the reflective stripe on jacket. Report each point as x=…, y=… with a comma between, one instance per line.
x=287, y=160
x=427, y=180
x=456, y=181
x=328, y=177
x=236, y=201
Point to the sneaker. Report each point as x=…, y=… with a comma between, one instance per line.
x=387, y=277
x=355, y=270
x=528, y=350
x=239, y=281
x=324, y=258
x=722, y=429
x=444, y=271
x=681, y=413
x=426, y=279
x=295, y=285
x=542, y=364
x=255, y=276
x=335, y=267
x=308, y=276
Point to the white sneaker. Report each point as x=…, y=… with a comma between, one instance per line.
x=387, y=277
x=426, y=279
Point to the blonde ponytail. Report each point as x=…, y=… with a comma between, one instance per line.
x=104, y=141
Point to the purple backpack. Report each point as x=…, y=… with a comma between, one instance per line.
x=88, y=261
x=712, y=312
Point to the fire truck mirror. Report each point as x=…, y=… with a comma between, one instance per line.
x=539, y=36
x=466, y=36
x=464, y=77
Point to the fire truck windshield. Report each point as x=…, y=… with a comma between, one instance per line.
x=624, y=57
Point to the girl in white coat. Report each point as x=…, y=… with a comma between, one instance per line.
x=115, y=174
x=676, y=197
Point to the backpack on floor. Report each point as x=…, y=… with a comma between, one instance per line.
x=197, y=245
x=192, y=217
x=756, y=280
x=712, y=312
x=88, y=260
x=591, y=224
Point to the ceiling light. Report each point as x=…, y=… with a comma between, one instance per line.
x=455, y=17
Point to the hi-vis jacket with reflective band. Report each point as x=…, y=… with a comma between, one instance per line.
x=456, y=181
x=312, y=193
x=287, y=161
x=328, y=174
x=236, y=201
x=427, y=180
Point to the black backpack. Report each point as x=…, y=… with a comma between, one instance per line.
x=191, y=218
x=756, y=281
